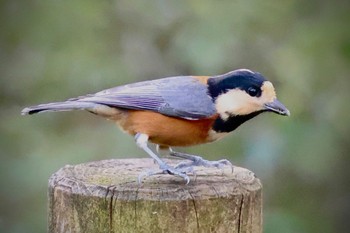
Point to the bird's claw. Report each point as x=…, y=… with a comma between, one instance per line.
x=166, y=169
x=198, y=161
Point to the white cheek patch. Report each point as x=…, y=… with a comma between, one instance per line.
x=239, y=102
x=236, y=102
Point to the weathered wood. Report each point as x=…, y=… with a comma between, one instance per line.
x=104, y=196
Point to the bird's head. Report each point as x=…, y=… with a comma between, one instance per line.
x=244, y=92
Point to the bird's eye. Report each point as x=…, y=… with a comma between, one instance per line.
x=252, y=91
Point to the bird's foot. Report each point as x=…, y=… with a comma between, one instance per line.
x=141, y=141
x=199, y=161
x=167, y=169
x=204, y=163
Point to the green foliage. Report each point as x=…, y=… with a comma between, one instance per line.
x=53, y=50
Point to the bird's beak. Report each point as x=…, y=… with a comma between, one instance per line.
x=277, y=107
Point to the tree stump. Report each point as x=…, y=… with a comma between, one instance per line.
x=104, y=196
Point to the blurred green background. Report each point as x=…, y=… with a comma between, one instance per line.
x=53, y=50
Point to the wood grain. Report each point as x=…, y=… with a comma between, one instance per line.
x=104, y=196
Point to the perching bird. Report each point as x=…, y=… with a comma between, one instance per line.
x=179, y=111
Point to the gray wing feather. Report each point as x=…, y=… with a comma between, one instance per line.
x=181, y=96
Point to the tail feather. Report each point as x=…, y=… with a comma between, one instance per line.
x=58, y=106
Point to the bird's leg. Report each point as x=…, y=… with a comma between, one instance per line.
x=142, y=142
x=198, y=161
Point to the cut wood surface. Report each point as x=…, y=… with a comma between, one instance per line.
x=104, y=196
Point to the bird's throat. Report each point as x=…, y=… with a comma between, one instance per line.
x=224, y=126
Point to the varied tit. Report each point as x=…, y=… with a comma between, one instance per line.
x=179, y=111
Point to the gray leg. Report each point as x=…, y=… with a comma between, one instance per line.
x=198, y=161
x=141, y=141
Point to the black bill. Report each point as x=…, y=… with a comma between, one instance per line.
x=277, y=107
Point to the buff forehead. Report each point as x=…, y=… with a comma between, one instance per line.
x=268, y=91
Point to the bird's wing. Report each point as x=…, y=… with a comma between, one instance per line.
x=182, y=96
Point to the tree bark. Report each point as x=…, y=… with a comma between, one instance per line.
x=104, y=196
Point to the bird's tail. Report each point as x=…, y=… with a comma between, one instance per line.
x=59, y=106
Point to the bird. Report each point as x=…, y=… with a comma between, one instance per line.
x=179, y=111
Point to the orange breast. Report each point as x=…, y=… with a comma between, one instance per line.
x=167, y=131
